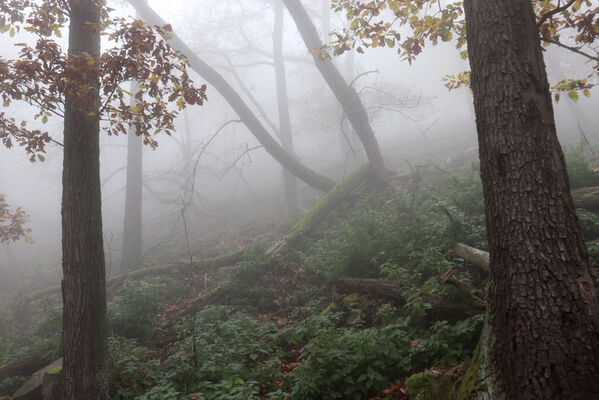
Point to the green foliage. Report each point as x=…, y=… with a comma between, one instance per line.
x=227, y=351
x=581, y=171
x=252, y=279
x=589, y=223
x=10, y=385
x=132, y=369
x=349, y=364
x=134, y=312
x=47, y=331
x=412, y=233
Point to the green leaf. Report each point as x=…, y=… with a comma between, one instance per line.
x=573, y=94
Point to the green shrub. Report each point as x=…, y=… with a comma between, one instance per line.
x=589, y=223
x=133, y=369
x=580, y=170
x=381, y=231
x=251, y=280
x=227, y=349
x=134, y=312
x=10, y=385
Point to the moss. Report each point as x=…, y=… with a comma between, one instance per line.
x=55, y=371
x=470, y=382
x=328, y=201
x=426, y=385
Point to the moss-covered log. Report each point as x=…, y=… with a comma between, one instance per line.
x=326, y=204
x=586, y=198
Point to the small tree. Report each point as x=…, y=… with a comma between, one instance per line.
x=84, y=87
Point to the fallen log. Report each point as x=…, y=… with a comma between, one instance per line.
x=476, y=257
x=332, y=199
x=390, y=290
x=302, y=228
x=586, y=198
x=24, y=367
x=33, y=388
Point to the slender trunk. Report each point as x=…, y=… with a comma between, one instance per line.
x=85, y=345
x=132, y=241
x=287, y=160
x=542, y=337
x=325, y=15
x=9, y=274
x=345, y=94
x=283, y=106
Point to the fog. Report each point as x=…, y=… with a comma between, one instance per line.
x=417, y=121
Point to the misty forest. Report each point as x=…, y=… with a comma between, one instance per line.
x=299, y=199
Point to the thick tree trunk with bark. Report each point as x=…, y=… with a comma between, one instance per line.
x=542, y=337
x=286, y=159
x=345, y=94
x=84, y=283
x=283, y=106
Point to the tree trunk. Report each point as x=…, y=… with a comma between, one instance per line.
x=283, y=106
x=287, y=160
x=84, y=283
x=132, y=244
x=9, y=274
x=543, y=320
x=345, y=94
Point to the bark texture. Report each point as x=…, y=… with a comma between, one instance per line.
x=85, y=345
x=287, y=160
x=285, y=133
x=543, y=309
x=345, y=94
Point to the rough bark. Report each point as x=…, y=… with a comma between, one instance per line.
x=85, y=345
x=543, y=320
x=285, y=133
x=345, y=94
x=287, y=160
x=132, y=242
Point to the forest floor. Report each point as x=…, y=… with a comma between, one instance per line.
x=376, y=302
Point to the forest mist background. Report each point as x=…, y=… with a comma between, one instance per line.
x=416, y=119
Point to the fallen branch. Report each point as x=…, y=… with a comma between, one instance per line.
x=471, y=255
x=389, y=290
x=24, y=367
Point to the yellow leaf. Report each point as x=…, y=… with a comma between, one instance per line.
x=586, y=93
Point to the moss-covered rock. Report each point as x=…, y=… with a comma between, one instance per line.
x=429, y=386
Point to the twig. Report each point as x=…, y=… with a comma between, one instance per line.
x=571, y=48
x=553, y=12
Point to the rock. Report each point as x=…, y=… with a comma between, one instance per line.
x=32, y=389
